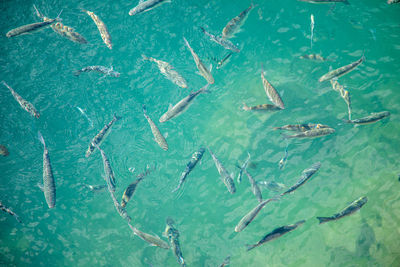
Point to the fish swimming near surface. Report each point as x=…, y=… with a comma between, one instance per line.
x=105, y=35
x=242, y=168
x=221, y=41
x=283, y=160
x=272, y=185
x=49, y=187
x=305, y=176
x=234, y=24
x=317, y=132
x=276, y=233
x=206, y=73
x=224, y=60
x=22, y=102
x=196, y=157
x=9, y=211
x=145, y=6
x=182, y=105
x=254, y=186
x=374, y=117
x=173, y=236
x=350, y=209
x=130, y=190
x=121, y=211
x=99, y=138
x=341, y=71
x=301, y=127
x=271, y=92
x=106, y=71
x=168, y=71
x=225, y=176
x=314, y=57
x=262, y=107
x=4, y=151
x=158, y=137
x=151, y=239
x=109, y=174
x=325, y=1
x=226, y=261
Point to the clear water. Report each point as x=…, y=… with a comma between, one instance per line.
x=84, y=228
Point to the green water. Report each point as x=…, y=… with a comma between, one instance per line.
x=84, y=228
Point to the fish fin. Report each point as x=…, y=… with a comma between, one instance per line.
x=346, y=121
x=323, y=219
x=245, y=107
x=144, y=108
x=205, y=89
x=202, y=29
x=250, y=247
x=59, y=14
x=117, y=117
x=211, y=67
x=40, y=15
x=165, y=135
x=141, y=1
x=144, y=57
x=41, y=187
x=41, y=139
x=170, y=106
x=77, y=73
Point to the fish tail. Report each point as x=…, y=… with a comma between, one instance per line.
x=346, y=2
x=250, y=247
x=58, y=17
x=117, y=117
x=145, y=57
x=245, y=107
x=202, y=29
x=144, y=109
x=323, y=219
x=205, y=89
x=41, y=139
x=286, y=136
x=346, y=121
x=186, y=43
x=77, y=73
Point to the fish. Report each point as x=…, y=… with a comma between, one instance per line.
x=9, y=211
x=121, y=211
x=151, y=239
x=250, y=216
x=224, y=60
x=254, y=187
x=341, y=71
x=374, y=117
x=29, y=28
x=106, y=71
x=105, y=35
x=315, y=57
x=343, y=93
x=317, y=132
x=196, y=157
x=226, y=261
x=225, y=176
x=182, y=105
x=276, y=233
x=305, y=176
x=325, y=1
x=221, y=41
x=301, y=127
x=109, y=174
x=199, y=64
x=158, y=137
x=49, y=187
x=130, y=190
x=271, y=92
x=173, y=237
x=4, y=151
x=242, y=168
x=145, y=6
x=234, y=24
x=99, y=138
x=272, y=185
x=312, y=29
x=63, y=30
x=267, y=107
x=393, y=1
x=95, y=188
x=22, y=102
x=168, y=71
x=350, y=209
x=283, y=160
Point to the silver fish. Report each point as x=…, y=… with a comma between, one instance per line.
x=158, y=137
x=152, y=240
x=234, y=24
x=106, y=71
x=325, y=1
x=49, y=187
x=9, y=211
x=271, y=92
x=182, y=105
x=109, y=174
x=266, y=107
x=22, y=102
x=301, y=127
x=173, y=236
x=130, y=190
x=242, y=168
x=4, y=151
x=226, y=262
x=341, y=71
x=317, y=132
x=225, y=176
x=314, y=57
x=221, y=41
x=305, y=176
x=374, y=117
x=105, y=35
x=254, y=187
x=145, y=6
x=199, y=64
x=121, y=211
x=350, y=209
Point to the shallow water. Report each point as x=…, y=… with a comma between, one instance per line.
x=84, y=228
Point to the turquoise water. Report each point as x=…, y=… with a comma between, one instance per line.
x=84, y=228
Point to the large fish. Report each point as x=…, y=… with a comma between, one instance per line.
x=196, y=157
x=301, y=127
x=266, y=107
x=130, y=190
x=109, y=174
x=225, y=176
x=341, y=71
x=350, y=209
x=271, y=92
x=158, y=137
x=4, y=151
x=234, y=24
x=22, y=102
x=305, y=176
x=49, y=187
x=106, y=71
x=221, y=41
x=151, y=239
x=278, y=232
x=199, y=64
x=173, y=236
x=317, y=132
x=9, y=211
x=99, y=138
x=168, y=71
x=145, y=6
x=105, y=35
x=374, y=117
x=254, y=187
x=182, y=105
x=325, y=1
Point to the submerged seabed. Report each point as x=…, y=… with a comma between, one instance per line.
x=84, y=228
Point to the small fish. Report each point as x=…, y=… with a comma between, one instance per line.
x=145, y=6
x=109, y=174
x=272, y=185
x=4, y=151
x=312, y=29
x=152, y=240
x=305, y=176
x=196, y=157
x=199, y=64
x=314, y=57
x=271, y=92
x=278, y=232
x=283, y=160
x=99, y=138
x=9, y=211
x=226, y=262
x=106, y=71
x=242, y=168
x=182, y=105
x=341, y=71
x=317, y=132
x=105, y=35
x=224, y=60
x=393, y=1
x=325, y=1
x=22, y=102
x=267, y=107
x=173, y=236
x=221, y=41
x=350, y=209
x=225, y=176
x=254, y=187
x=130, y=190
x=343, y=93
x=158, y=137
x=301, y=127
x=49, y=187
x=168, y=71
x=374, y=117
x=234, y=24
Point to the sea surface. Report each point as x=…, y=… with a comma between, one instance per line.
x=84, y=228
